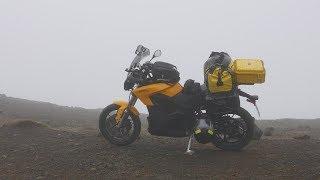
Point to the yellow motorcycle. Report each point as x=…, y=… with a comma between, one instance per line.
x=174, y=110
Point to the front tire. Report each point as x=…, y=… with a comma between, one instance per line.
x=248, y=120
x=110, y=131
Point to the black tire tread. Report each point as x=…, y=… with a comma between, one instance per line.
x=238, y=146
x=136, y=121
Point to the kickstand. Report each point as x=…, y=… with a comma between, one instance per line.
x=189, y=151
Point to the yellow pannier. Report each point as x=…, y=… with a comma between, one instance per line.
x=248, y=71
x=213, y=81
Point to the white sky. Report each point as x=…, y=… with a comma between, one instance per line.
x=74, y=52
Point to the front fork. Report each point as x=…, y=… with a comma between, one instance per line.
x=132, y=101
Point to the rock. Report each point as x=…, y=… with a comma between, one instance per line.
x=302, y=137
x=304, y=127
x=268, y=131
x=26, y=124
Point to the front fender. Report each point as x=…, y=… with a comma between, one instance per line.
x=123, y=105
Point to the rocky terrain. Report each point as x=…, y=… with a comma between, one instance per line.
x=45, y=141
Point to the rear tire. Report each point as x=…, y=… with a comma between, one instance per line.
x=249, y=121
x=104, y=124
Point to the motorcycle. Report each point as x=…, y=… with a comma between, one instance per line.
x=174, y=110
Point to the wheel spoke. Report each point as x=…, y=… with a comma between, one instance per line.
x=232, y=128
x=122, y=133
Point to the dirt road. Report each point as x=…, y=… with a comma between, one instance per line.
x=34, y=151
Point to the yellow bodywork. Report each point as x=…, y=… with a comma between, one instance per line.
x=213, y=79
x=248, y=71
x=145, y=92
x=123, y=105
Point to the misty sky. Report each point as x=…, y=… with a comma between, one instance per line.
x=73, y=52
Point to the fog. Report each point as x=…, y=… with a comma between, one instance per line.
x=74, y=52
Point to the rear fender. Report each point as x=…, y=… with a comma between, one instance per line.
x=123, y=105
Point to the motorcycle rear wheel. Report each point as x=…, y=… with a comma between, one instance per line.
x=118, y=135
x=248, y=120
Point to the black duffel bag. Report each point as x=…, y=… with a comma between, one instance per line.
x=165, y=72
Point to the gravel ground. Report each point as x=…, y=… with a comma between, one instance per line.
x=35, y=151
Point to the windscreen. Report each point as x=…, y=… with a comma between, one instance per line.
x=136, y=61
x=139, y=57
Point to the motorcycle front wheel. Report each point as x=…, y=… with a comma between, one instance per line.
x=234, y=131
x=109, y=128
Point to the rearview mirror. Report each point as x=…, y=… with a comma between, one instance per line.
x=157, y=53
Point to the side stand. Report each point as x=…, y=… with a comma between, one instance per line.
x=189, y=151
